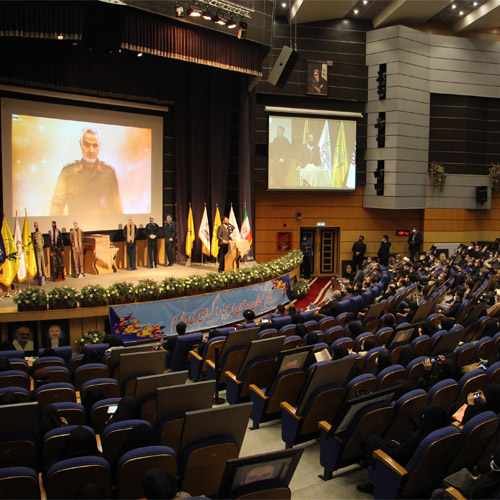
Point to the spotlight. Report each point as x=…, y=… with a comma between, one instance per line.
x=218, y=20
x=139, y=54
x=194, y=11
x=231, y=23
x=242, y=30
x=60, y=37
x=453, y=6
x=179, y=9
x=207, y=15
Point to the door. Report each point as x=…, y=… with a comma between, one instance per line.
x=324, y=241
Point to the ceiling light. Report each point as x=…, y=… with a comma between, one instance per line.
x=283, y=4
x=356, y=11
x=461, y=12
x=139, y=54
x=242, y=30
x=365, y=2
x=60, y=37
x=231, y=23
x=453, y=6
x=179, y=9
x=194, y=11
x=218, y=20
x=475, y=4
x=207, y=15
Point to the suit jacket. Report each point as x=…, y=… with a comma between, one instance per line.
x=223, y=233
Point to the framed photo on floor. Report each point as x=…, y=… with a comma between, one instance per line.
x=317, y=78
x=23, y=335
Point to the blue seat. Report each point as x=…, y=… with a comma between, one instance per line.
x=390, y=376
x=19, y=364
x=476, y=434
x=423, y=472
x=493, y=373
x=407, y=410
x=251, y=324
x=14, y=378
x=178, y=359
x=99, y=413
x=280, y=321
x=74, y=413
x=47, y=361
x=309, y=315
x=14, y=353
x=267, y=333
x=114, y=436
x=99, y=349
x=55, y=393
x=197, y=362
x=333, y=333
x=415, y=368
x=287, y=330
x=326, y=323
x=54, y=441
x=444, y=393
x=109, y=387
x=66, y=477
x=347, y=342
x=64, y=352
x=24, y=395
x=363, y=382
x=370, y=359
x=19, y=482
x=134, y=464
x=18, y=449
x=340, y=451
x=58, y=374
x=361, y=339
x=291, y=342
x=470, y=382
x=90, y=371
x=311, y=325
x=421, y=345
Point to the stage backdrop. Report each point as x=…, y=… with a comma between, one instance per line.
x=149, y=319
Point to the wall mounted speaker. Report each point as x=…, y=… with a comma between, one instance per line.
x=481, y=194
x=283, y=67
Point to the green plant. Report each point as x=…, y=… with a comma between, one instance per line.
x=437, y=174
x=147, y=290
x=32, y=298
x=90, y=337
x=300, y=289
x=121, y=293
x=494, y=174
x=93, y=296
x=63, y=297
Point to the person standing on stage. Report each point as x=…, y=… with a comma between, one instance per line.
x=152, y=232
x=414, y=244
x=358, y=253
x=383, y=251
x=223, y=235
x=76, y=238
x=130, y=234
x=38, y=243
x=56, y=253
x=169, y=234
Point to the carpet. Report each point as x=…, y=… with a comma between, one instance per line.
x=320, y=290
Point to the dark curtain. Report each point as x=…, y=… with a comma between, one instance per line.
x=164, y=37
x=202, y=118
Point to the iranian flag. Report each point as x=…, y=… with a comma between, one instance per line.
x=246, y=232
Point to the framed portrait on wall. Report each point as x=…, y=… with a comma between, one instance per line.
x=55, y=333
x=23, y=335
x=317, y=78
x=284, y=240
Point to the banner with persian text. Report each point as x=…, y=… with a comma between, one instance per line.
x=145, y=320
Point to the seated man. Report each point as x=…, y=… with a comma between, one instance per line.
x=169, y=344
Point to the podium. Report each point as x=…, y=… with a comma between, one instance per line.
x=236, y=250
x=100, y=255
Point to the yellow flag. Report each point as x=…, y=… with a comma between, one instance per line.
x=306, y=132
x=29, y=248
x=190, y=235
x=9, y=267
x=340, y=161
x=215, y=240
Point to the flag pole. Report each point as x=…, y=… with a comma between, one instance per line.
x=29, y=276
x=188, y=259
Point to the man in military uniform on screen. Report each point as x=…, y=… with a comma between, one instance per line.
x=88, y=185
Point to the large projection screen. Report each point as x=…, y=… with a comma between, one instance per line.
x=66, y=163
x=311, y=153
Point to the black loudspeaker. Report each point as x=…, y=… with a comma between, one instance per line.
x=283, y=67
x=103, y=27
x=481, y=194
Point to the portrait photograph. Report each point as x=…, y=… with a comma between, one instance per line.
x=284, y=241
x=55, y=333
x=23, y=335
x=317, y=78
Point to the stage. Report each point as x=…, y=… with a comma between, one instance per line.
x=7, y=304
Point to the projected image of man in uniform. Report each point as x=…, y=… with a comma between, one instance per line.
x=88, y=185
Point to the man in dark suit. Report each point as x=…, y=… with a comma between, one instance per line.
x=223, y=235
x=414, y=244
x=452, y=310
x=358, y=253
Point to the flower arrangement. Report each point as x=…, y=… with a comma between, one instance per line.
x=93, y=296
x=437, y=174
x=64, y=297
x=300, y=289
x=494, y=174
x=121, y=293
x=90, y=337
x=31, y=299
x=147, y=290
